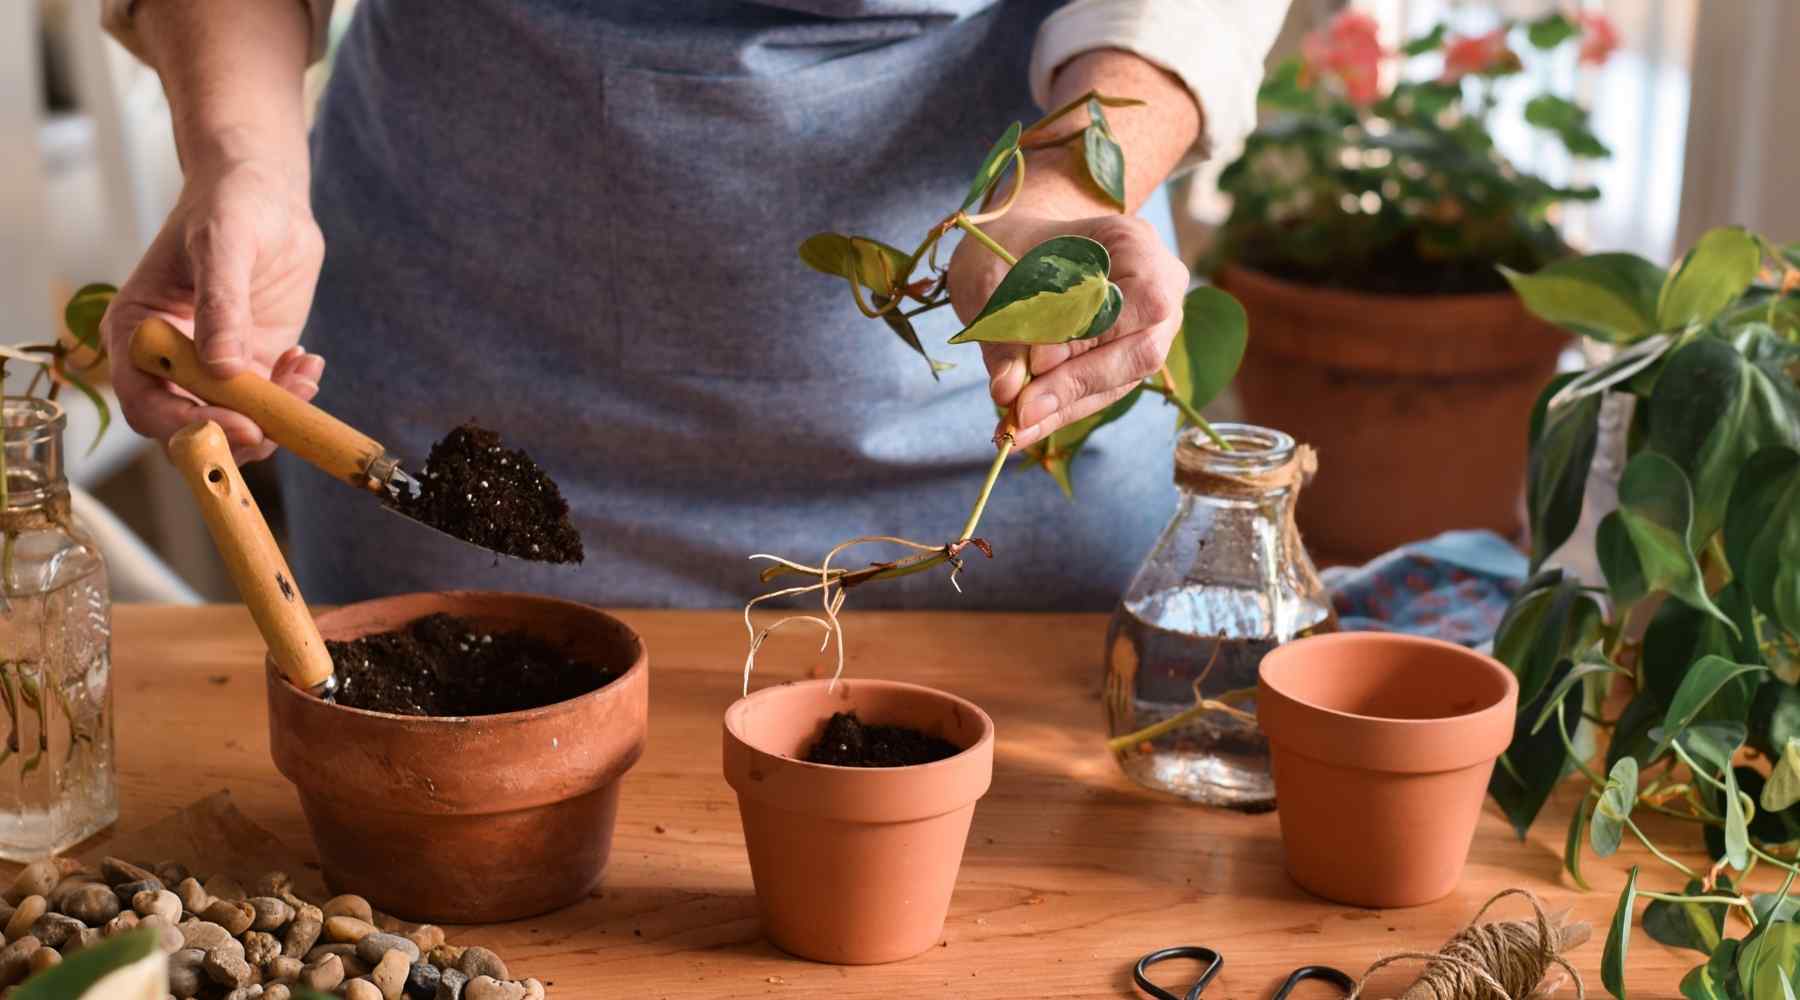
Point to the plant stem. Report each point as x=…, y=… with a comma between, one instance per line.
x=1191, y=414
x=1669, y=897
x=987, y=488
x=967, y=225
x=1773, y=860
x=1119, y=744
x=1569, y=748
x=1660, y=856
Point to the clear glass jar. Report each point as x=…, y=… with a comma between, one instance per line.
x=57, y=782
x=1227, y=582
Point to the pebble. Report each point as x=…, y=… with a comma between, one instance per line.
x=117, y=871
x=303, y=933
x=390, y=972
x=185, y=973
x=252, y=992
x=126, y=921
x=54, y=930
x=489, y=988
x=341, y=949
x=422, y=981
x=88, y=938
x=234, y=915
x=193, y=898
x=373, y=947
x=15, y=959
x=477, y=962
x=534, y=990
x=35, y=879
x=58, y=898
x=6, y=912
x=283, y=967
x=445, y=956
x=342, y=928
x=350, y=906
x=426, y=936
x=172, y=938
x=271, y=914
x=260, y=947
x=275, y=884
x=362, y=989
x=203, y=934
x=171, y=872
x=325, y=974
x=43, y=958
x=92, y=904
x=223, y=887
x=29, y=910
x=354, y=966
x=126, y=890
x=450, y=985
x=277, y=991
x=161, y=903
x=227, y=967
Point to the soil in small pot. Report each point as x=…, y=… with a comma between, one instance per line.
x=496, y=497
x=441, y=665
x=849, y=742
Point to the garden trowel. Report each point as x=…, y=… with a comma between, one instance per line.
x=342, y=451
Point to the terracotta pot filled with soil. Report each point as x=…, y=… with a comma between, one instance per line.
x=856, y=801
x=1381, y=745
x=1416, y=404
x=469, y=769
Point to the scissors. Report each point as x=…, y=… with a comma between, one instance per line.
x=1214, y=962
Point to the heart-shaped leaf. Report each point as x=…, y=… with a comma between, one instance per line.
x=1783, y=789
x=872, y=263
x=84, y=311
x=1699, y=926
x=1618, y=939
x=1775, y=717
x=1614, y=808
x=993, y=165
x=1717, y=979
x=1056, y=452
x=1550, y=620
x=1769, y=959
x=1643, y=546
x=1609, y=296
x=1589, y=667
x=1209, y=347
x=1678, y=635
x=1562, y=452
x=1056, y=293
x=1708, y=676
x=1534, y=762
x=1105, y=160
x=134, y=954
x=1762, y=534
x=1713, y=274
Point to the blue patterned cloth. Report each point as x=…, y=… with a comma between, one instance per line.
x=1455, y=586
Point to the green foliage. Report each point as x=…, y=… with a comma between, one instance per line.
x=70, y=979
x=1056, y=293
x=1401, y=191
x=1702, y=567
x=993, y=165
x=1105, y=160
x=1209, y=347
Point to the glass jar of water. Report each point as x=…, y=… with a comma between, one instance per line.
x=1227, y=582
x=56, y=756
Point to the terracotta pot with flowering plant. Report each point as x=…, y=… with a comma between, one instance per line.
x=1372, y=222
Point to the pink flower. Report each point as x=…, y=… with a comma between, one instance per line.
x=1599, y=38
x=1349, y=50
x=1476, y=54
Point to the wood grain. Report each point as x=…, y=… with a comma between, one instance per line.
x=1071, y=873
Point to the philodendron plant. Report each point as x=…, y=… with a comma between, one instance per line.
x=1699, y=618
x=66, y=362
x=1058, y=291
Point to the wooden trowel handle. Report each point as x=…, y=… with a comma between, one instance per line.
x=302, y=428
x=203, y=455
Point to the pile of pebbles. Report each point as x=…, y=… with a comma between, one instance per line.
x=226, y=942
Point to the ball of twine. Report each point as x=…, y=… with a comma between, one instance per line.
x=1497, y=961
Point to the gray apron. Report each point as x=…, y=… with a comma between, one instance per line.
x=574, y=221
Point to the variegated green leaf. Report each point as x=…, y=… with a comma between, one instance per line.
x=1056, y=293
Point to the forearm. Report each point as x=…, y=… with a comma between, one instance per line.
x=1154, y=137
x=233, y=71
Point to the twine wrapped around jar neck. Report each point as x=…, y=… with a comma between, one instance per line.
x=1263, y=465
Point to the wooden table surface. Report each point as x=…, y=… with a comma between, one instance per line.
x=1071, y=872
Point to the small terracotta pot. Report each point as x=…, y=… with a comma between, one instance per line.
x=468, y=820
x=1417, y=405
x=854, y=865
x=1382, y=746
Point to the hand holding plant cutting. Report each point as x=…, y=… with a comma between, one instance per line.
x=1702, y=568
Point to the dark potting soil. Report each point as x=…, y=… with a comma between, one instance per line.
x=849, y=742
x=497, y=497
x=448, y=666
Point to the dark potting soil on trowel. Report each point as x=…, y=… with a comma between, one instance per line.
x=497, y=497
x=848, y=742
x=447, y=666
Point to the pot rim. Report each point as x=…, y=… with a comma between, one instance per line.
x=1224, y=274
x=734, y=717
x=1509, y=682
x=567, y=705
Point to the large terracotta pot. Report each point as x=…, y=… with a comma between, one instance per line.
x=1382, y=745
x=1418, y=406
x=468, y=820
x=854, y=865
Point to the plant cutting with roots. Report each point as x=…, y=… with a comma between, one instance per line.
x=1699, y=619
x=1058, y=291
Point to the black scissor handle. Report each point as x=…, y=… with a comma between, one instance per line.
x=1214, y=961
x=1325, y=972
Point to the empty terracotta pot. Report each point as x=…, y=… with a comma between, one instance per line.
x=854, y=865
x=1382, y=746
x=468, y=820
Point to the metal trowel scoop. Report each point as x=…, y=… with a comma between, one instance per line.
x=262, y=576
x=339, y=449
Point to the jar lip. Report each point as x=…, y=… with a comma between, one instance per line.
x=31, y=415
x=1254, y=448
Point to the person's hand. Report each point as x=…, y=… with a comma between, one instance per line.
x=234, y=266
x=1074, y=380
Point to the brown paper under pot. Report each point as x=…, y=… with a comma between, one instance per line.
x=854, y=865
x=1382, y=746
x=468, y=820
